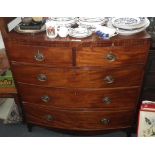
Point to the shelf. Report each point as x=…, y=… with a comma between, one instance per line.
x=8, y=91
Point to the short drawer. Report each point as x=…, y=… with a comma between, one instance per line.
x=111, y=57
x=55, y=56
x=79, y=78
x=78, y=120
x=125, y=98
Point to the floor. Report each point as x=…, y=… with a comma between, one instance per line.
x=20, y=130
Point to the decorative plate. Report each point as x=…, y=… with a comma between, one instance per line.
x=17, y=29
x=80, y=32
x=128, y=32
x=142, y=23
x=91, y=19
x=125, y=23
x=91, y=23
x=64, y=21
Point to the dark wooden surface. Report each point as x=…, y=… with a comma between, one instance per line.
x=56, y=56
x=75, y=72
x=79, y=78
x=78, y=120
x=98, y=56
x=66, y=98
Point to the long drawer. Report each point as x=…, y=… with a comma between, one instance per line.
x=55, y=56
x=110, y=57
x=125, y=98
x=78, y=120
x=79, y=78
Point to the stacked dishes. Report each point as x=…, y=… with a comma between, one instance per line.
x=91, y=22
x=63, y=21
x=129, y=26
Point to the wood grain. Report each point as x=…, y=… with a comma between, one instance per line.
x=124, y=98
x=56, y=56
x=98, y=56
x=78, y=120
x=79, y=78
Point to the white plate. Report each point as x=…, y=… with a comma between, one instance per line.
x=80, y=32
x=17, y=29
x=129, y=32
x=91, y=19
x=63, y=21
x=125, y=22
x=91, y=22
x=142, y=23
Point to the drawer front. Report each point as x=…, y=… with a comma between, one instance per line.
x=110, y=57
x=78, y=120
x=78, y=78
x=73, y=98
x=55, y=56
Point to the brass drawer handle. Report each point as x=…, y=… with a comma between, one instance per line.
x=105, y=121
x=45, y=98
x=109, y=79
x=39, y=56
x=49, y=118
x=106, y=100
x=111, y=57
x=42, y=77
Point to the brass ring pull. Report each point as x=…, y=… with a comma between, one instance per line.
x=105, y=121
x=49, y=118
x=111, y=57
x=109, y=79
x=45, y=98
x=42, y=77
x=39, y=56
x=106, y=100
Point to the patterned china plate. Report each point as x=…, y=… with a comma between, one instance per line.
x=64, y=21
x=91, y=19
x=80, y=32
x=91, y=22
x=143, y=22
x=129, y=32
x=125, y=23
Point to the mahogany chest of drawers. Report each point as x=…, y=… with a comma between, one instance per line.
x=79, y=85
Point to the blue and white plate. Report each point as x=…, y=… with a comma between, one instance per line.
x=131, y=31
x=126, y=22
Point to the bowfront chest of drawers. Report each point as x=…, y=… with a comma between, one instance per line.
x=78, y=85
